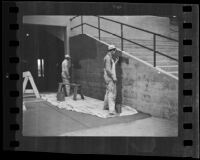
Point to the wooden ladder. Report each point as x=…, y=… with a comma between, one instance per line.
x=28, y=77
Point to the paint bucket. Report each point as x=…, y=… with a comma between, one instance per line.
x=60, y=96
x=118, y=108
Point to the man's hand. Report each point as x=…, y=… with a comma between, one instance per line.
x=117, y=59
x=115, y=80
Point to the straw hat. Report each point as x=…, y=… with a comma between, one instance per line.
x=111, y=47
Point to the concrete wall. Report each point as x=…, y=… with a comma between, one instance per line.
x=155, y=24
x=57, y=25
x=87, y=57
x=148, y=90
x=54, y=23
x=56, y=31
x=52, y=20
x=139, y=85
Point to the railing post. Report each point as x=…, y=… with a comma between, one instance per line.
x=122, y=45
x=99, y=27
x=82, y=24
x=154, y=50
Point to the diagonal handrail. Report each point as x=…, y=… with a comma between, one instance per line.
x=118, y=36
x=122, y=38
x=144, y=30
x=121, y=23
x=73, y=18
x=131, y=41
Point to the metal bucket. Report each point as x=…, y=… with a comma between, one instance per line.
x=60, y=96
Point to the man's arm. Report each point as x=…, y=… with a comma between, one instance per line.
x=114, y=70
x=107, y=63
x=65, y=69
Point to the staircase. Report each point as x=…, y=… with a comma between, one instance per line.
x=164, y=46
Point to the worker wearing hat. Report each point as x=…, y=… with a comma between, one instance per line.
x=110, y=79
x=66, y=64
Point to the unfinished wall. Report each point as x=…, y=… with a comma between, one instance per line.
x=139, y=85
x=148, y=90
x=87, y=57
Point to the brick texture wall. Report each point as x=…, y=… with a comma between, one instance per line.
x=87, y=58
x=139, y=85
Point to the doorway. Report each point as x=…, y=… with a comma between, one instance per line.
x=42, y=55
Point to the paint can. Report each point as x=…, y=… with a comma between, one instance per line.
x=60, y=96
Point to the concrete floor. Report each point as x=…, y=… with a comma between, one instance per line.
x=43, y=119
x=150, y=127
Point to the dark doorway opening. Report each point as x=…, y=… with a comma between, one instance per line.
x=42, y=55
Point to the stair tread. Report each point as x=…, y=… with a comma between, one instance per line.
x=170, y=66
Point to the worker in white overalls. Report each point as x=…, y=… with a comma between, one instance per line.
x=110, y=79
x=66, y=64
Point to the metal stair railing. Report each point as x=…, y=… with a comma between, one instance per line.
x=122, y=38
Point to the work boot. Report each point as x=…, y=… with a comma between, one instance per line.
x=112, y=113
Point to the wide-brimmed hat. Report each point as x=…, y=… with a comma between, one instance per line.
x=67, y=56
x=111, y=47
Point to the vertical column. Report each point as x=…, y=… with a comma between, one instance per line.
x=66, y=38
x=65, y=41
x=99, y=27
x=82, y=24
x=122, y=45
x=154, y=50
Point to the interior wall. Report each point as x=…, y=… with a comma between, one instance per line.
x=55, y=31
x=57, y=25
x=51, y=20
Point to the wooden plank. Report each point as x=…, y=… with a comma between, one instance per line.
x=168, y=66
x=26, y=74
x=34, y=87
x=25, y=83
x=36, y=100
x=26, y=96
x=29, y=91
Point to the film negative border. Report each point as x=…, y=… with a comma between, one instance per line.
x=14, y=76
x=189, y=106
x=190, y=80
x=11, y=76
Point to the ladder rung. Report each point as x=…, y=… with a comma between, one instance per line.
x=29, y=91
x=168, y=66
x=38, y=100
x=173, y=72
x=25, y=96
x=160, y=61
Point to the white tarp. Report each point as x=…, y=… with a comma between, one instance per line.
x=88, y=105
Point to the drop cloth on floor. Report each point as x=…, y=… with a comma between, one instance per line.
x=88, y=105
